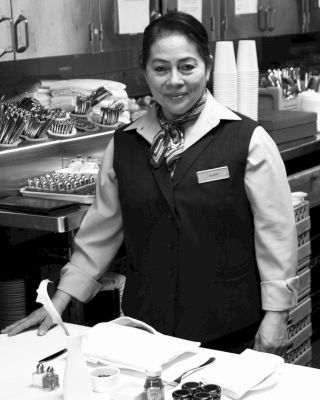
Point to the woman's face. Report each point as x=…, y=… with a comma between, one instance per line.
x=176, y=74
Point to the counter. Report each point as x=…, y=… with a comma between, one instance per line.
x=19, y=355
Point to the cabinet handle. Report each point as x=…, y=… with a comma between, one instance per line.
x=271, y=18
x=21, y=19
x=307, y=14
x=10, y=21
x=262, y=19
x=224, y=20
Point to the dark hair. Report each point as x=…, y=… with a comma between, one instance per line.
x=175, y=21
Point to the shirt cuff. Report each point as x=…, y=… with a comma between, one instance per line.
x=279, y=295
x=78, y=284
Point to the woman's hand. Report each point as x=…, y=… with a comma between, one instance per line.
x=272, y=335
x=39, y=317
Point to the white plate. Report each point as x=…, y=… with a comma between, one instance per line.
x=267, y=382
x=79, y=115
x=61, y=135
x=7, y=145
x=42, y=139
x=104, y=125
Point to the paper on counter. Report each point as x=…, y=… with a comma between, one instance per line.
x=45, y=300
x=246, y=371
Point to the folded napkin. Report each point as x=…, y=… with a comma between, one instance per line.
x=86, y=84
x=246, y=371
x=133, y=344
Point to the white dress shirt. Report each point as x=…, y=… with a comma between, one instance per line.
x=268, y=191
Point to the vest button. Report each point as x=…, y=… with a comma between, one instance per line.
x=171, y=273
x=170, y=245
x=170, y=217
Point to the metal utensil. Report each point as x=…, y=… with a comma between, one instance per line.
x=177, y=381
x=53, y=356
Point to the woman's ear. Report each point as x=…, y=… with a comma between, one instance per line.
x=209, y=67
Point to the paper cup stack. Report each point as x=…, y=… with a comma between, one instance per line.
x=225, y=75
x=248, y=78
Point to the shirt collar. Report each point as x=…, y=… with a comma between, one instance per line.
x=148, y=125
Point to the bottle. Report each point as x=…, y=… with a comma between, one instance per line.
x=38, y=375
x=153, y=386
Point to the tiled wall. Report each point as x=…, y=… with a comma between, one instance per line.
x=120, y=65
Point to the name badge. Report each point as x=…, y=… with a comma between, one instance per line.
x=214, y=174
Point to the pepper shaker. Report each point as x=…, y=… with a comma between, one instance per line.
x=50, y=380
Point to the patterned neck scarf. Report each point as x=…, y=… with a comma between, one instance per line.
x=168, y=142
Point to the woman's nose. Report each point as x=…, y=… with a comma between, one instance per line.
x=175, y=78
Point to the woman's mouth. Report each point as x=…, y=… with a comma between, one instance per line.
x=177, y=96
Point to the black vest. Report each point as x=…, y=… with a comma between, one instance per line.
x=191, y=261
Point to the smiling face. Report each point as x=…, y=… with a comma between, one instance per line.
x=176, y=74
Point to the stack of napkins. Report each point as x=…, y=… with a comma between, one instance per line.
x=247, y=370
x=130, y=343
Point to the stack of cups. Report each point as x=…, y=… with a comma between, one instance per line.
x=248, y=78
x=225, y=75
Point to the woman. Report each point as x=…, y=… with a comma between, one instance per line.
x=200, y=196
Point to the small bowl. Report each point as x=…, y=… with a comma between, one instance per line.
x=104, y=379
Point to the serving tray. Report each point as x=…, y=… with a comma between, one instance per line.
x=80, y=198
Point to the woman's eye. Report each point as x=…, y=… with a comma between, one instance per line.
x=160, y=69
x=187, y=67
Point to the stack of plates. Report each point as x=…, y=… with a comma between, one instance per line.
x=248, y=78
x=225, y=75
x=12, y=301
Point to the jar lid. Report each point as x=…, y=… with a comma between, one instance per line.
x=202, y=395
x=181, y=394
x=154, y=370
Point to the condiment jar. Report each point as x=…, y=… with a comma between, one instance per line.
x=202, y=395
x=182, y=394
x=153, y=386
x=213, y=390
x=191, y=386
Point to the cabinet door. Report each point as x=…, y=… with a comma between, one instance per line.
x=6, y=39
x=284, y=17
x=103, y=13
x=52, y=28
x=313, y=16
x=241, y=26
x=273, y=18
x=210, y=15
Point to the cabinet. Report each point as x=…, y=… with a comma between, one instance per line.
x=6, y=31
x=313, y=15
x=272, y=18
x=46, y=28
x=210, y=15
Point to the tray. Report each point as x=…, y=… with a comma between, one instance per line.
x=28, y=139
x=80, y=198
x=61, y=135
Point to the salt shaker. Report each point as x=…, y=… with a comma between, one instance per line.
x=38, y=375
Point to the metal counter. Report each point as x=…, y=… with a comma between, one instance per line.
x=60, y=223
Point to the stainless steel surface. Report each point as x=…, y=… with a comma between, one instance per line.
x=25, y=160
x=64, y=222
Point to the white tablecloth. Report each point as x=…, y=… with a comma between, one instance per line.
x=19, y=356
